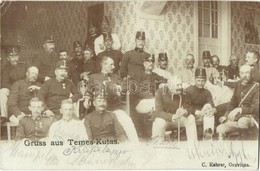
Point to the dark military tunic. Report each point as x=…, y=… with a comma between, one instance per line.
x=103, y=125
x=232, y=72
x=46, y=63
x=96, y=83
x=90, y=41
x=132, y=62
x=53, y=92
x=256, y=73
x=220, y=68
x=90, y=66
x=33, y=128
x=116, y=55
x=75, y=68
x=20, y=96
x=250, y=104
x=167, y=104
x=199, y=97
x=10, y=74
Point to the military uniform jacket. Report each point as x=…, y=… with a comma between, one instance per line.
x=256, y=73
x=46, y=63
x=199, y=97
x=103, y=125
x=33, y=128
x=250, y=106
x=20, y=96
x=90, y=66
x=132, y=63
x=167, y=104
x=53, y=92
x=116, y=55
x=75, y=68
x=96, y=83
x=232, y=72
x=11, y=74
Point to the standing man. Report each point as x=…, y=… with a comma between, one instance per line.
x=202, y=103
x=92, y=35
x=210, y=71
x=67, y=127
x=13, y=71
x=102, y=124
x=132, y=61
x=47, y=60
x=76, y=64
x=162, y=66
x=188, y=72
x=99, y=42
x=233, y=70
x=22, y=92
x=57, y=89
x=244, y=105
x=35, y=126
x=252, y=59
x=172, y=107
x=116, y=55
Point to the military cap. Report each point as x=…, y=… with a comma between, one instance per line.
x=162, y=57
x=200, y=73
x=206, y=55
x=140, y=35
x=62, y=64
x=49, y=39
x=99, y=94
x=105, y=20
x=107, y=36
x=150, y=58
x=12, y=51
x=77, y=44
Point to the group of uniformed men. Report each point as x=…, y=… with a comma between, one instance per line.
x=99, y=92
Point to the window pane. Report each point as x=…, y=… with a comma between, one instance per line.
x=213, y=4
x=206, y=30
x=206, y=15
x=200, y=15
x=200, y=3
x=214, y=31
x=200, y=30
x=212, y=17
x=206, y=4
x=216, y=17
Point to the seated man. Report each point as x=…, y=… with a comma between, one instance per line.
x=67, y=127
x=172, y=107
x=232, y=68
x=21, y=93
x=163, y=64
x=215, y=63
x=102, y=124
x=142, y=88
x=35, y=126
x=55, y=90
x=243, y=108
x=112, y=84
x=11, y=72
x=202, y=103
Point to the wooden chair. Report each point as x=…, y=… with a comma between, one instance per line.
x=9, y=126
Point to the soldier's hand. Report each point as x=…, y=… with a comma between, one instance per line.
x=86, y=102
x=48, y=113
x=19, y=117
x=181, y=112
x=222, y=119
x=233, y=113
x=34, y=87
x=46, y=78
x=176, y=116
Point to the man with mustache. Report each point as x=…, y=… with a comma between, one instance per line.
x=11, y=72
x=99, y=42
x=132, y=61
x=116, y=55
x=67, y=127
x=233, y=70
x=46, y=60
x=202, y=103
x=210, y=71
x=252, y=59
x=34, y=126
x=57, y=89
x=101, y=123
x=22, y=92
x=215, y=63
x=187, y=73
x=172, y=107
x=75, y=65
x=244, y=104
x=163, y=64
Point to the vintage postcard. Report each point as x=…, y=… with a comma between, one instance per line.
x=130, y=85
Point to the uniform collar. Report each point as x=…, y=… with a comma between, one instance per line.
x=139, y=49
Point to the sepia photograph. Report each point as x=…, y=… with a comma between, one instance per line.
x=129, y=85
